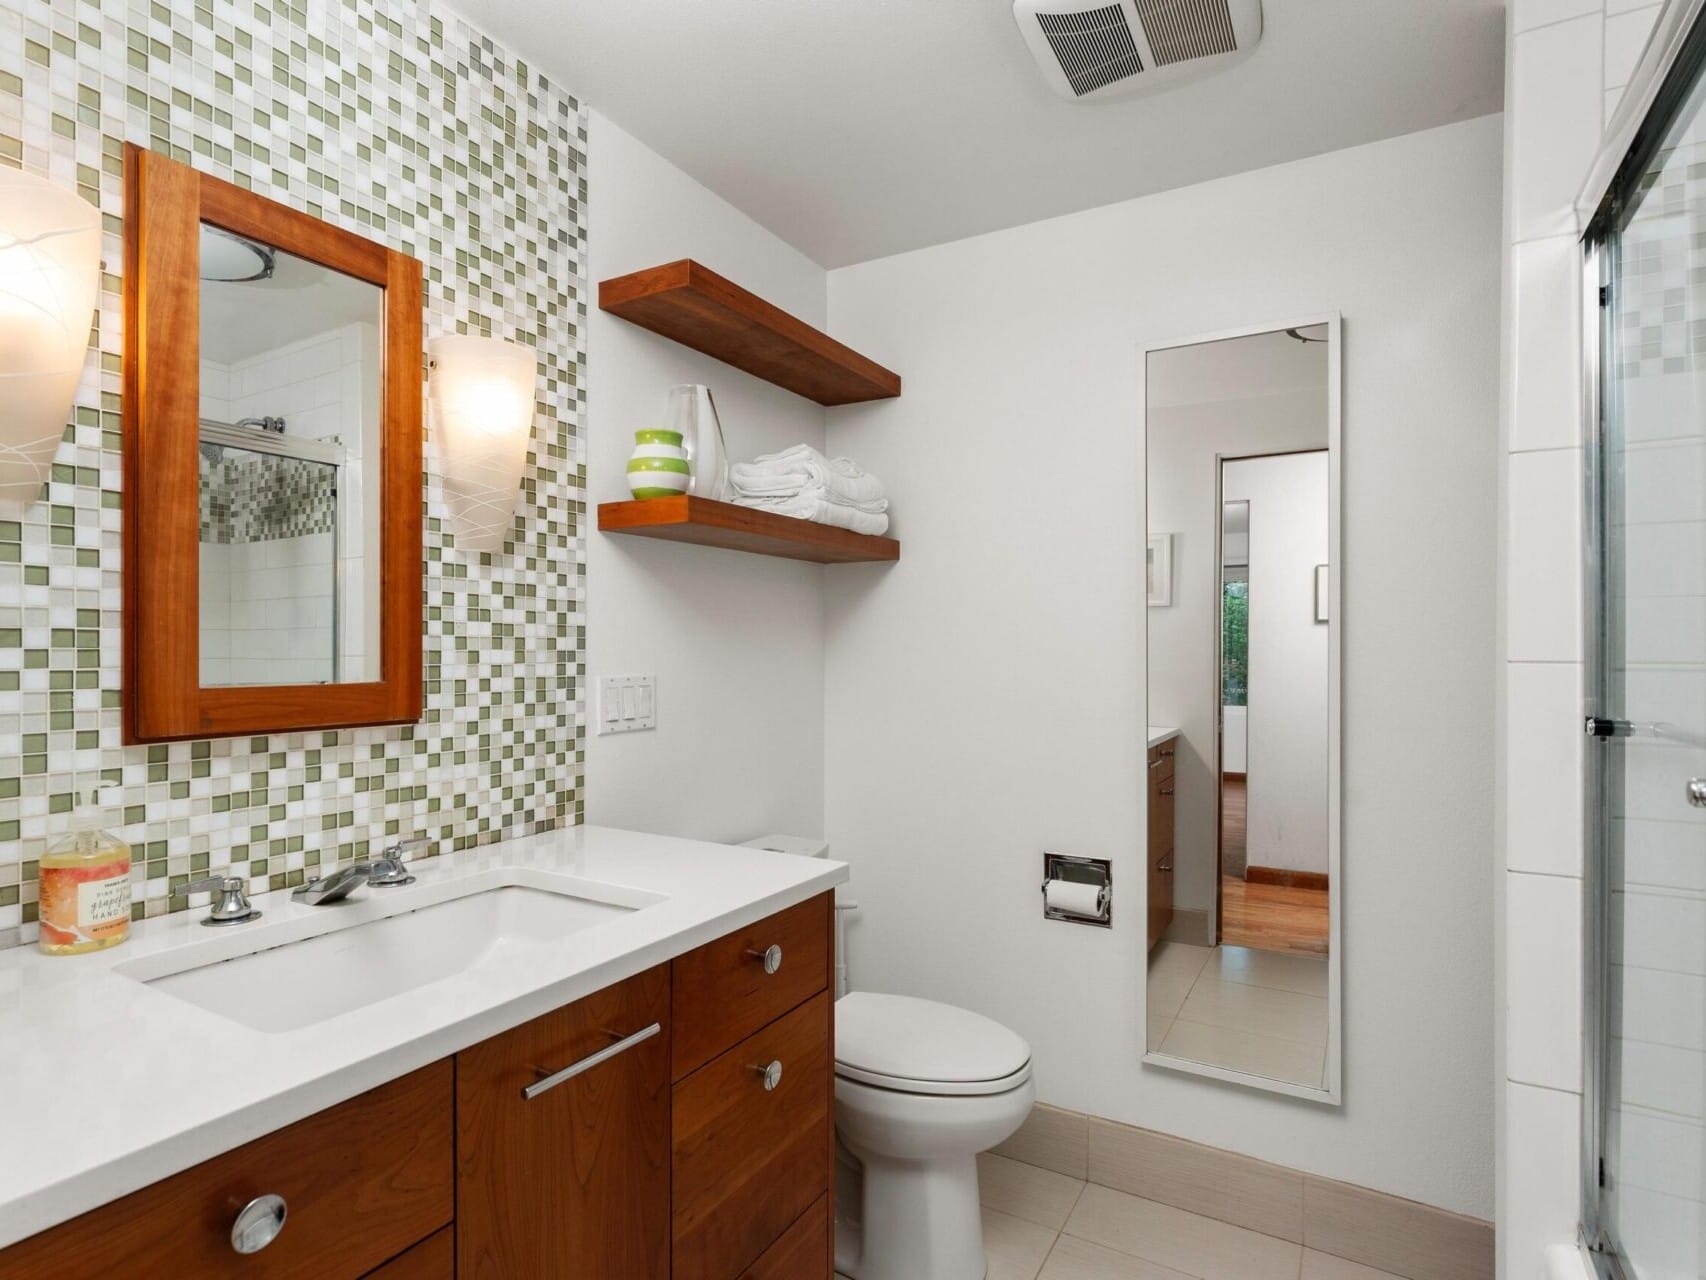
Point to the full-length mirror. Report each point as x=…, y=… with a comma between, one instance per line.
x=273, y=465
x=1243, y=698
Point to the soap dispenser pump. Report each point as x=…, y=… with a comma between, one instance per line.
x=85, y=885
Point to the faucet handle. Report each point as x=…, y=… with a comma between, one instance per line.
x=386, y=871
x=231, y=903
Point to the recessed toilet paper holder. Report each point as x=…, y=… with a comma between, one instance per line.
x=1098, y=872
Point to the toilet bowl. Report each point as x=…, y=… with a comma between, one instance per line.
x=920, y=1089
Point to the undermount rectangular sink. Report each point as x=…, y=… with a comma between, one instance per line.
x=296, y=984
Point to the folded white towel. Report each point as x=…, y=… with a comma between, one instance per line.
x=793, y=470
x=812, y=504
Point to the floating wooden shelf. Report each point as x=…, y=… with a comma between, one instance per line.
x=700, y=309
x=723, y=524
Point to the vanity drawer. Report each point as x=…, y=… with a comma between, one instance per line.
x=432, y=1259
x=803, y=1252
x=362, y=1182
x=748, y=1161
x=722, y=992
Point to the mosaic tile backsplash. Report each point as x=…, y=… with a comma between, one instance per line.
x=401, y=122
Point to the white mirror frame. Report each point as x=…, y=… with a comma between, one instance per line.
x=1332, y=1093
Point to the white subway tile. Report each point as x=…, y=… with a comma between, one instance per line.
x=1526, y=14
x=1546, y=413
x=1543, y=923
x=1625, y=36
x=1661, y=854
x=1543, y=775
x=1555, y=104
x=1541, y=1158
x=1664, y=482
x=1661, y=1007
x=1545, y=556
x=1663, y=1234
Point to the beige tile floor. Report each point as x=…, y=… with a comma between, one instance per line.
x=1039, y=1225
x=1259, y=1012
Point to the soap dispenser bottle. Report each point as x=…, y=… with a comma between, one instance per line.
x=85, y=885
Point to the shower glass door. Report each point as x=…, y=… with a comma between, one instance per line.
x=1646, y=1202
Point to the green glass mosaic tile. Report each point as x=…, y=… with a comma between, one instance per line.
x=405, y=124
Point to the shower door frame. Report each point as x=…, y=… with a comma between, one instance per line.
x=1673, y=62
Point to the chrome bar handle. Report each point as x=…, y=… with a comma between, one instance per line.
x=1697, y=792
x=587, y=1063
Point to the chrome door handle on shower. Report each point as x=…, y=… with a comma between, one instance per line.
x=1697, y=792
x=587, y=1063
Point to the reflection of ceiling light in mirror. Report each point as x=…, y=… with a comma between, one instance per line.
x=482, y=392
x=50, y=271
x=230, y=259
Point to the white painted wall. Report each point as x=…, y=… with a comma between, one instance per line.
x=736, y=641
x=1234, y=740
x=985, y=696
x=1183, y=685
x=1286, y=824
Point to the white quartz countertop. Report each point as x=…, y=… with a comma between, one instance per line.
x=113, y=1084
x=1160, y=733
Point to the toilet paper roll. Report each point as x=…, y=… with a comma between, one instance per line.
x=1070, y=895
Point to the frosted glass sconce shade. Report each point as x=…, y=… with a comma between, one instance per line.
x=50, y=273
x=481, y=391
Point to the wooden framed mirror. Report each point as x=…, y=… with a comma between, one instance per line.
x=272, y=465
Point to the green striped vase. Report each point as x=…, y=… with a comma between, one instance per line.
x=658, y=466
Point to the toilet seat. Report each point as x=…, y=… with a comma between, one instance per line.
x=908, y=1045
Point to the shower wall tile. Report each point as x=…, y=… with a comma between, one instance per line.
x=1543, y=973
x=403, y=123
x=1544, y=586
x=1625, y=37
x=1554, y=126
x=1541, y=1140
x=1543, y=767
x=1546, y=280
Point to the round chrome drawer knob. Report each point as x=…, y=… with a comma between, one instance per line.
x=770, y=957
x=772, y=1075
x=258, y=1224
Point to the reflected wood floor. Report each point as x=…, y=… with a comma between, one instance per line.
x=1273, y=917
x=1268, y=917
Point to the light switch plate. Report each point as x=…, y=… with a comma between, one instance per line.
x=627, y=704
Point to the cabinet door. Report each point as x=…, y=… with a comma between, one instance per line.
x=1154, y=851
x=575, y=1180
x=1166, y=859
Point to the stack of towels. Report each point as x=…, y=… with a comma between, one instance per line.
x=801, y=482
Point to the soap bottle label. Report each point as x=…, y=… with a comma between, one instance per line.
x=102, y=903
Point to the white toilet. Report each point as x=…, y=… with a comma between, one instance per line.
x=920, y=1089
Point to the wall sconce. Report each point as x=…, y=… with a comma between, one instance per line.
x=50, y=274
x=481, y=391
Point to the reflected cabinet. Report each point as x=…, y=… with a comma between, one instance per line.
x=272, y=485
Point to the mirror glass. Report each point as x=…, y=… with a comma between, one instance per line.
x=1243, y=744
x=291, y=431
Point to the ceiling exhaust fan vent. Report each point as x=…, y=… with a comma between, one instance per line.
x=1094, y=47
x=1126, y=47
x=1179, y=30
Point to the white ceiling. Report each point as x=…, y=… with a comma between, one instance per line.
x=856, y=129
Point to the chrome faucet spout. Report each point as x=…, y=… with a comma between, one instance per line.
x=333, y=886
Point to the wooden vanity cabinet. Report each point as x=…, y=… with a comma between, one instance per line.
x=362, y=1182
x=573, y=1181
x=1161, y=845
x=753, y=1107
x=701, y=1151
